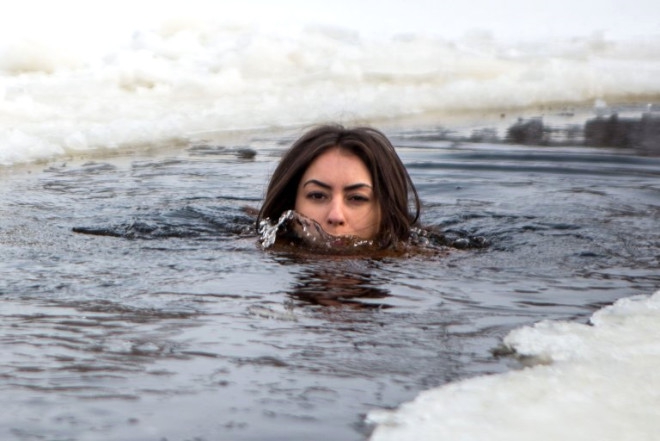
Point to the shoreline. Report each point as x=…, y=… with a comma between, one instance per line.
x=633, y=126
x=628, y=125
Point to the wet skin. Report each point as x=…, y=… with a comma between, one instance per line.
x=336, y=191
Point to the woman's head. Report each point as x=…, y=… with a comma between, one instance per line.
x=350, y=181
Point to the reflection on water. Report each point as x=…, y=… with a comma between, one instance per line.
x=169, y=321
x=343, y=282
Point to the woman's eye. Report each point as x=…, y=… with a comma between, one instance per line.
x=315, y=196
x=358, y=198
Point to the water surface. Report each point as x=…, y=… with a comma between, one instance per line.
x=168, y=321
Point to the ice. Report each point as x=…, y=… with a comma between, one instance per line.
x=592, y=381
x=76, y=78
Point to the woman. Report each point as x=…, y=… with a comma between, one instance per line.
x=348, y=180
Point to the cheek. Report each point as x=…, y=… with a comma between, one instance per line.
x=305, y=208
x=369, y=219
x=299, y=203
x=377, y=220
x=377, y=217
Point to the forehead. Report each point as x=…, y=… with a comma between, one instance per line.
x=337, y=162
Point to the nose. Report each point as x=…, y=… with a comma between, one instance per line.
x=335, y=216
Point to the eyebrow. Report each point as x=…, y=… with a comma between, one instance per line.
x=347, y=188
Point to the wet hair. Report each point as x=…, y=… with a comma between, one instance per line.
x=393, y=189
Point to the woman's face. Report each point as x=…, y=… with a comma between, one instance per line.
x=336, y=191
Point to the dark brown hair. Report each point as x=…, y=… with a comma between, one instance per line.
x=393, y=188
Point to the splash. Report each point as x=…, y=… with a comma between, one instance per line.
x=292, y=228
x=295, y=230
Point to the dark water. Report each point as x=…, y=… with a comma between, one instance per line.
x=170, y=323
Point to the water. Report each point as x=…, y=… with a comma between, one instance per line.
x=170, y=322
x=595, y=380
x=136, y=302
